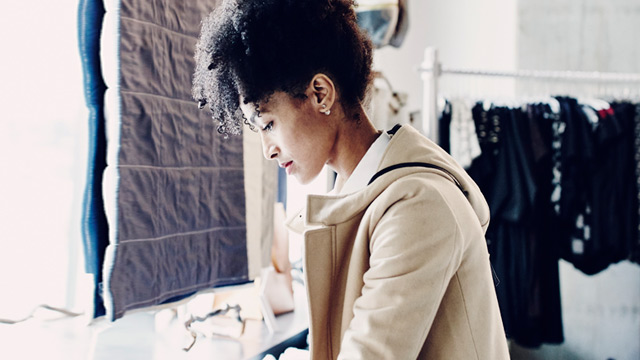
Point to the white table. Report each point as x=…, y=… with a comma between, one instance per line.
x=136, y=336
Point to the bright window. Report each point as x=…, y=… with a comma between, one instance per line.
x=43, y=155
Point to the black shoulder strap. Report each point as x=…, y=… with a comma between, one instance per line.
x=394, y=129
x=418, y=164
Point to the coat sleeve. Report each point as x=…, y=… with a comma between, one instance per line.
x=415, y=249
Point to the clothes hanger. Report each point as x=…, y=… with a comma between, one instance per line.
x=596, y=103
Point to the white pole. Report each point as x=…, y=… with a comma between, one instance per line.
x=430, y=93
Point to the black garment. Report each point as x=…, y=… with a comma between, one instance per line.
x=577, y=153
x=489, y=169
x=622, y=159
x=508, y=172
x=540, y=118
x=557, y=185
x=444, y=128
x=634, y=253
x=628, y=115
x=601, y=217
x=573, y=220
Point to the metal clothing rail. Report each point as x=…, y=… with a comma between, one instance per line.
x=544, y=75
x=431, y=70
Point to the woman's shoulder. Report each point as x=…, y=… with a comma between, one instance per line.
x=421, y=191
x=425, y=184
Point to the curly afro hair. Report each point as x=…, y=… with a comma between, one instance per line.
x=255, y=48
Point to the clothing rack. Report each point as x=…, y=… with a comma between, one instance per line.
x=431, y=69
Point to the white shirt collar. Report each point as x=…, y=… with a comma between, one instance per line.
x=367, y=166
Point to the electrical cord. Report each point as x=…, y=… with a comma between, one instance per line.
x=65, y=312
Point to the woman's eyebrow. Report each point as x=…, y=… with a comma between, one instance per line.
x=252, y=118
x=257, y=113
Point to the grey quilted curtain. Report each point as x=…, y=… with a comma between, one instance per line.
x=166, y=202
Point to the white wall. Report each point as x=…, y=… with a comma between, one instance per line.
x=466, y=34
x=593, y=35
x=601, y=313
x=585, y=35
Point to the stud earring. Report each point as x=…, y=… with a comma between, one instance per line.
x=326, y=112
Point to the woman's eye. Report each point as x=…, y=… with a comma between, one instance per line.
x=268, y=127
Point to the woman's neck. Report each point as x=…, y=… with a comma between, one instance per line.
x=353, y=139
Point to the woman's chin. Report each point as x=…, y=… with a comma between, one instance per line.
x=304, y=179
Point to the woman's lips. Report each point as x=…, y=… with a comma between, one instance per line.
x=287, y=167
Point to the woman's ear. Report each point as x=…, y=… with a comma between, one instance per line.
x=323, y=93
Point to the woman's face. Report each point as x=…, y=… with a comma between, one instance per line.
x=295, y=134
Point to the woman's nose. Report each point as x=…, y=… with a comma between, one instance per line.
x=270, y=151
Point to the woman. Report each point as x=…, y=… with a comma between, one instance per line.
x=396, y=263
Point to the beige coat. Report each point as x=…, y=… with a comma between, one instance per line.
x=400, y=270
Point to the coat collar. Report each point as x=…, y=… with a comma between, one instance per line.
x=406, y=144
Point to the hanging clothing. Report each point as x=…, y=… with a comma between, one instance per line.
x=464, y=146
x=444, y=122
x=635, y=247
x=509, y=172
x=576, y=157
x=561, y=178
x=623, y=161
x=600, y=217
